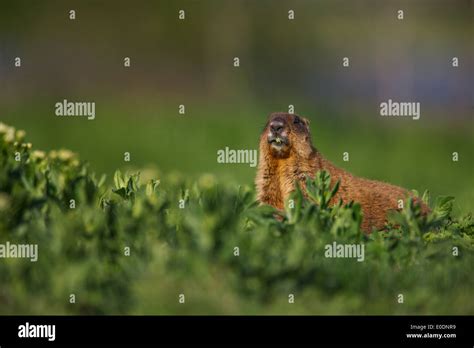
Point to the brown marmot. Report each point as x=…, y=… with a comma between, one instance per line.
x=287, y=155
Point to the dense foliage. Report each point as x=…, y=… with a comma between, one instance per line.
x=211, y=231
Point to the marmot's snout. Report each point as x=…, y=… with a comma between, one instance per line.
x=277, y=135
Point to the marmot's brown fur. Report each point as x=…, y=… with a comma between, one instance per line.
x=287, y=155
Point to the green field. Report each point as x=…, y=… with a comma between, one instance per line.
x=335, y=61
x=191, y=251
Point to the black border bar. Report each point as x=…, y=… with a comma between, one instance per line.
x=289, y=330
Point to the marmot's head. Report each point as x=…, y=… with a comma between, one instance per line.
x=285, y=134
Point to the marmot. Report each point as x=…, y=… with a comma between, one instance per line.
x=287, y=155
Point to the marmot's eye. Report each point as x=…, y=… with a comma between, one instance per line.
x=297, y=120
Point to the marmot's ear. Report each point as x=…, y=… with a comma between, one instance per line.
x=306, y=121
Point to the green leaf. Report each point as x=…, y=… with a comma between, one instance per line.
x=118, y=179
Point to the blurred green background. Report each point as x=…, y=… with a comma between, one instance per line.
x=282, y=62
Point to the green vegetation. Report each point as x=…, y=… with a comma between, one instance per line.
x=192, y=250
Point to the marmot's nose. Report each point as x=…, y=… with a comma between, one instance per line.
x=277, y=126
